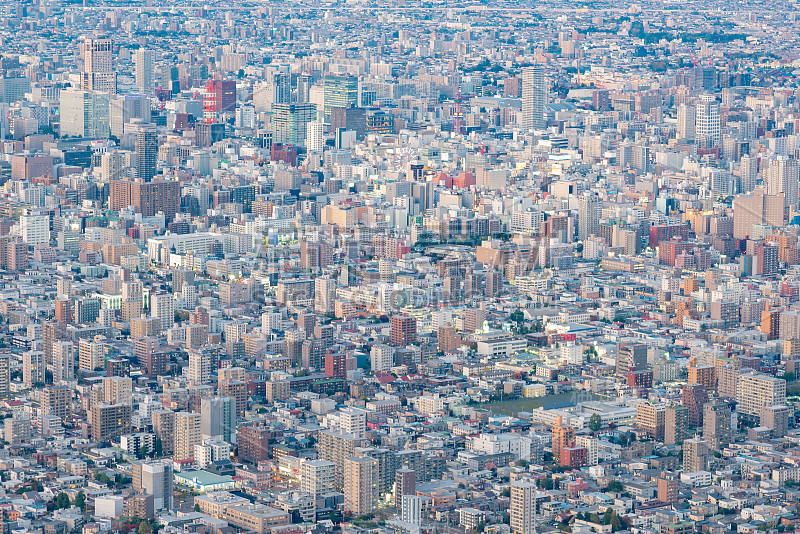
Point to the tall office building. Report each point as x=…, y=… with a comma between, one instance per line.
x=535, y=91
x=340, y=92
x=631, y=357
x=84, y=113
x=748, y=173
x=282, y=86
x=783, y=175
x=522, y=508
x=219, y=97
x=218, y=418
x=686, y=122
x=717, y=424
x=361, y=485
x=315, y=139
x=156, y=479
x=145, y=62
x=695, y=455
x=188, y=433
x=758, y=207
x=707, y=121
x=290, y=121
x=147, y=198
x=125, y=108
x=589, y=206
x=146, y=154
x=98, y=69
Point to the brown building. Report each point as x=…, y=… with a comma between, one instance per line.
x=693, y=397
x=652, y=418
x=404, y=330
x=574, y=457
x=702, y=374
x=253, y=443
x=449, y=340
x=147, y=198
x=562, y=436
x=237, y=390
x=770, y=322
x=55, y=400
x=63, y=311
x=756, y=208
x=668, y=489
x=110, y=421
x=28, y=167
x=140, y=506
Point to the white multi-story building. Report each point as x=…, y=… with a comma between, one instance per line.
x=35, y=229
x=381, y=357
x=519, y=446
x=317, y=477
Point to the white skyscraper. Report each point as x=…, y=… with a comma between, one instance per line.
x=534, y=96
x=782, y=177
x=324, y=295
x=163, y=307
x=98, y=68
x=707, y=117
x=589, y=205
x=63, y=361
x=145, y=61
x=748, y=173
x=686, y=122
x=315, y=141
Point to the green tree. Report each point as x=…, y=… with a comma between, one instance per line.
x=144, y=528
x=80, y=500
x=615, y=486
x=62, y=501
x=196, y=507
x=595, y=422
x=546, y=483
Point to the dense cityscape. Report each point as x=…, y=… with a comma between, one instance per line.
x=399, y=267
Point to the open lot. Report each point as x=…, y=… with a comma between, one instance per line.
x=514, y=406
